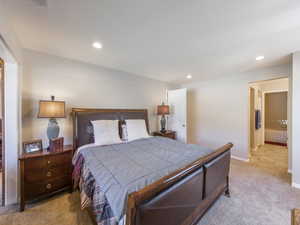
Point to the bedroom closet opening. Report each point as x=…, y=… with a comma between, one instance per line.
x=268, y=118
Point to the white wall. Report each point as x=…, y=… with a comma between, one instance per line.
x=8, y=35
x=10, y=52
x=218, y=109
x=81, y=85
x=296, y=121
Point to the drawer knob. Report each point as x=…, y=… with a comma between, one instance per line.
x=49, y=186
x=48, y=161
x=49, y=174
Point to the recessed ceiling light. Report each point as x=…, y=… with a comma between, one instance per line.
x=189, y=76
x=97, y=45
x=261, y=57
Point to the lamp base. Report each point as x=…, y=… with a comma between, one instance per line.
x=53, y=129
x=163, y=124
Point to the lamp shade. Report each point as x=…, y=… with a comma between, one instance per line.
x=51, y=109
x=163, y=110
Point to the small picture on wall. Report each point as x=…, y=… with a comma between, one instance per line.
x=32, y=146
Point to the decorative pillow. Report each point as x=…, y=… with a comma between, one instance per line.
x=136, y=129
x=106, y=132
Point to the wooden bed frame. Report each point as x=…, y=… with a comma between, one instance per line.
x=180, y=198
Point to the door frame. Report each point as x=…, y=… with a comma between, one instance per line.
x=251, y=118
x=2, y=64
x=290, y=105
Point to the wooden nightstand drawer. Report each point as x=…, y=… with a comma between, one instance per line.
x=57, y=160
x=58, y=171
x=35, y=164
x=34, y=168
x=34, y=190
x=58, y=183
x=32, y=176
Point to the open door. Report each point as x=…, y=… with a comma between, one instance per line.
x=177, y=100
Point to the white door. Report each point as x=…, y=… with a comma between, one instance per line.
x=177, y=100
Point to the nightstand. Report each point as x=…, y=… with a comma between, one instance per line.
x=44, y=174
x=169, y=134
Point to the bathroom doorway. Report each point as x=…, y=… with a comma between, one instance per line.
x=276, y=104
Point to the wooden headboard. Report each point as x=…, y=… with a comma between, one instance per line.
x=82, y=117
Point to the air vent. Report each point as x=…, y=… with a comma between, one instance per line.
x=40, y=3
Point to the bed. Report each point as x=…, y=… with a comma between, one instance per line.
x=153, y=181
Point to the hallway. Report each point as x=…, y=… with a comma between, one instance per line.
x=273, y=159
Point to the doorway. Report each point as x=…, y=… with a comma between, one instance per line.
x=276, y=118
x=2, y=150
x=268, y=118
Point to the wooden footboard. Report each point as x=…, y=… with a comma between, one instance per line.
x=182, y=197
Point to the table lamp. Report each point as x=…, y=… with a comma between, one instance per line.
x=52, y=109
x=163, y=110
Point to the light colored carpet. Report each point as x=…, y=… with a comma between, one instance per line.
x=63, y=209
x=258, y=197
x=273, y=159
x=260, y=192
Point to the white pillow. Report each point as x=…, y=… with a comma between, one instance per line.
x=106, y=132
x=136, y=129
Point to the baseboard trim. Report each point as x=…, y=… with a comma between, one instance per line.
x=239, y=158
x=9, y=209
x=295, y=185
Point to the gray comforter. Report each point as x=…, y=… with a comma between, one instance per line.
x=121, y=169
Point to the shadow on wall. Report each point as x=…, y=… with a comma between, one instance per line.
x=27, y=111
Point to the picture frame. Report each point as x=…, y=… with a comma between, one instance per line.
x=56, y=144
x=33, y=146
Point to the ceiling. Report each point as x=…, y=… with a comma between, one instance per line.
x=164, y=40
